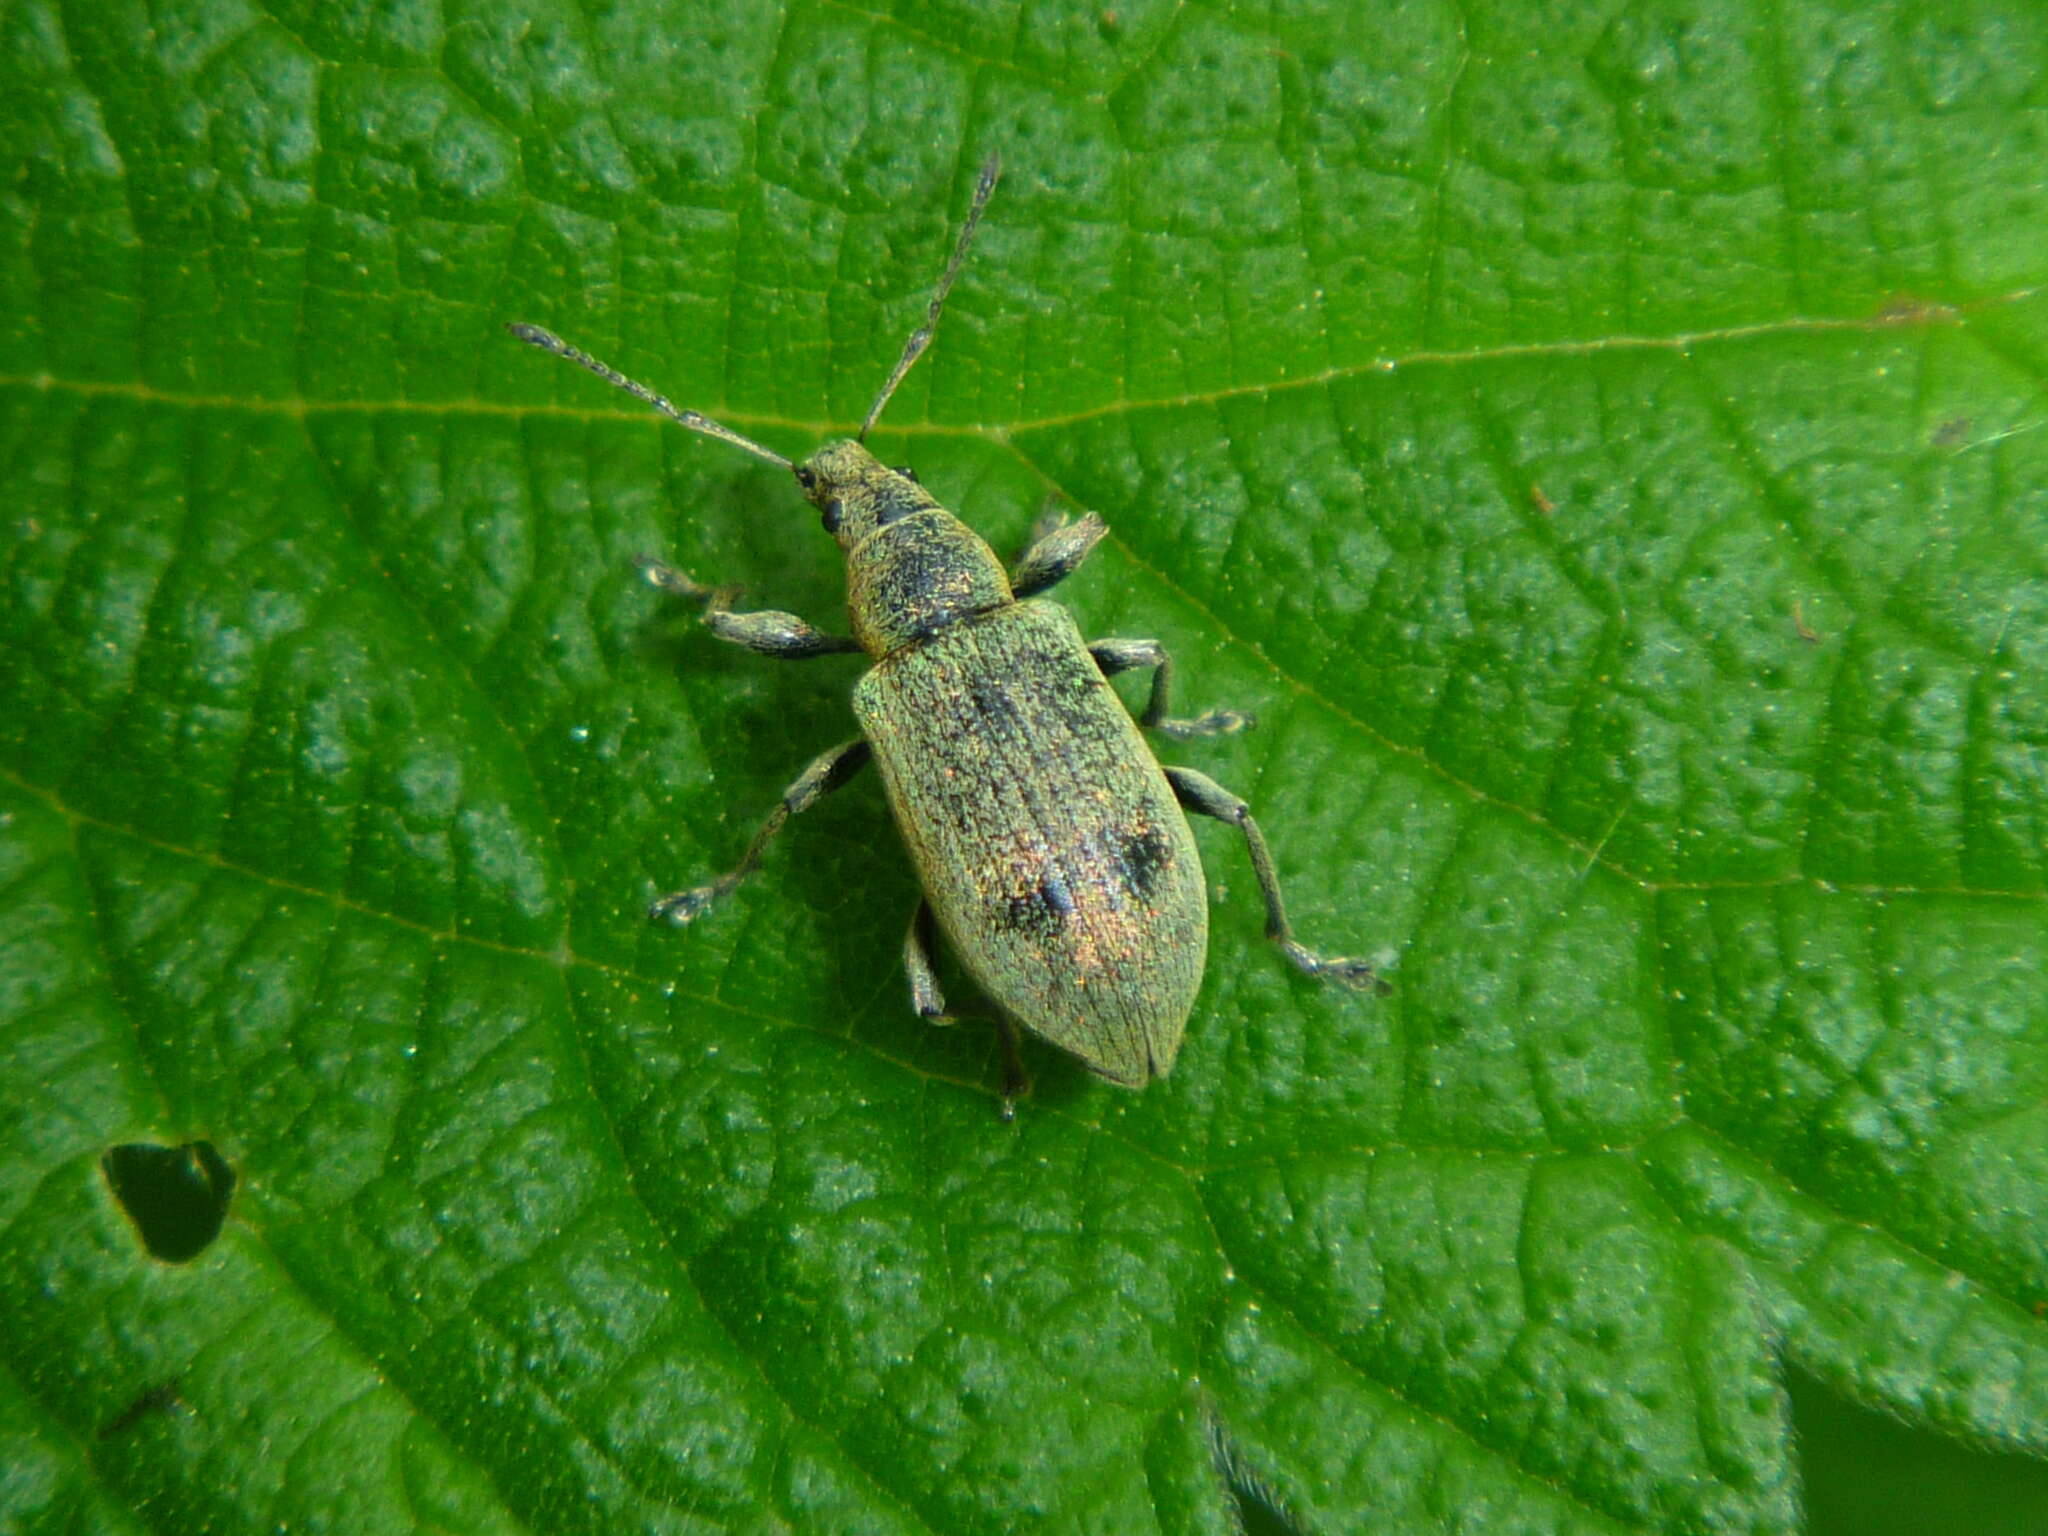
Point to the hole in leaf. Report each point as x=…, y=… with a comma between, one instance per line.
x=1260, y=1509
x=176, y=1196
x=1867, y=1474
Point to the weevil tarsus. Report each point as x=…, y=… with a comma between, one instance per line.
x=677, y=582
x=827, y=772
x=1016, y=1082
x=1204, y=796
x=1115, y=656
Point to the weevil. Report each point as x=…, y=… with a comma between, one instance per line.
x=1053, y=847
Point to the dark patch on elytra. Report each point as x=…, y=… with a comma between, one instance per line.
x=1142, y=857
x=992, y=704
x=1043, y=908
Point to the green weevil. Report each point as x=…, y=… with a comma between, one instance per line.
x=1053, y=848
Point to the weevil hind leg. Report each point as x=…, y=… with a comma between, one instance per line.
x=1114, y=656
x=927, y=999
x=929, y=1002
x=1199, y=793
x=827, y=771
x=1015, y=1083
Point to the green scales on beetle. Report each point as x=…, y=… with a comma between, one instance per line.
x=1052, y=846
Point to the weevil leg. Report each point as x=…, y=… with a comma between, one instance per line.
x=768, y=632
x=925, y=994
x=1115, y=656
x=1203, y=795
x=1058, y=547
x=826, y=773
x=1015, y=1083
x=930, y=1003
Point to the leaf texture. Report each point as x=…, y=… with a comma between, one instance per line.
x=1600, y=441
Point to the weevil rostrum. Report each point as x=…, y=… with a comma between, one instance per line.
x=1052, y=846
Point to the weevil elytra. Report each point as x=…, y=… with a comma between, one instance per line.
x=1053, y=847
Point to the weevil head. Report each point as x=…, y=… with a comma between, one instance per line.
x=856, y=494
x=912, y=567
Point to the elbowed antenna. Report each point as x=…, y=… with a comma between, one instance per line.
x=921, y=338
x=696, y=421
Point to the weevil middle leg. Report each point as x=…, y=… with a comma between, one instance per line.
x=826, y=773
x=1115, y=656
x=1203, y=795
x=1057, y=549
x=930, y=1003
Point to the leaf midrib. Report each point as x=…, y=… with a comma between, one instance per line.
x=1928, y=316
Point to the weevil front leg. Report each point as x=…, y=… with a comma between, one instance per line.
x=1115, y=656
x=1057, y=549
x=768, y=632
x=930, y=1003
x=826, y=773
x=1202, y=794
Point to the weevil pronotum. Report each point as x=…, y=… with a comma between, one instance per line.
x=1052, y=845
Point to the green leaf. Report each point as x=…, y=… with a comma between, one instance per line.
x=1603, y=445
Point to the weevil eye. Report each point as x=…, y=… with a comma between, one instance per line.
x=807, y=477
x=909, y=474
x=835, y=509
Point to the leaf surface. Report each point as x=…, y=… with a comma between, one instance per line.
x=1602, y=445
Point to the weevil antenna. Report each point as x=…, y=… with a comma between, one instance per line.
x=548, y=341
x=921, y=338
